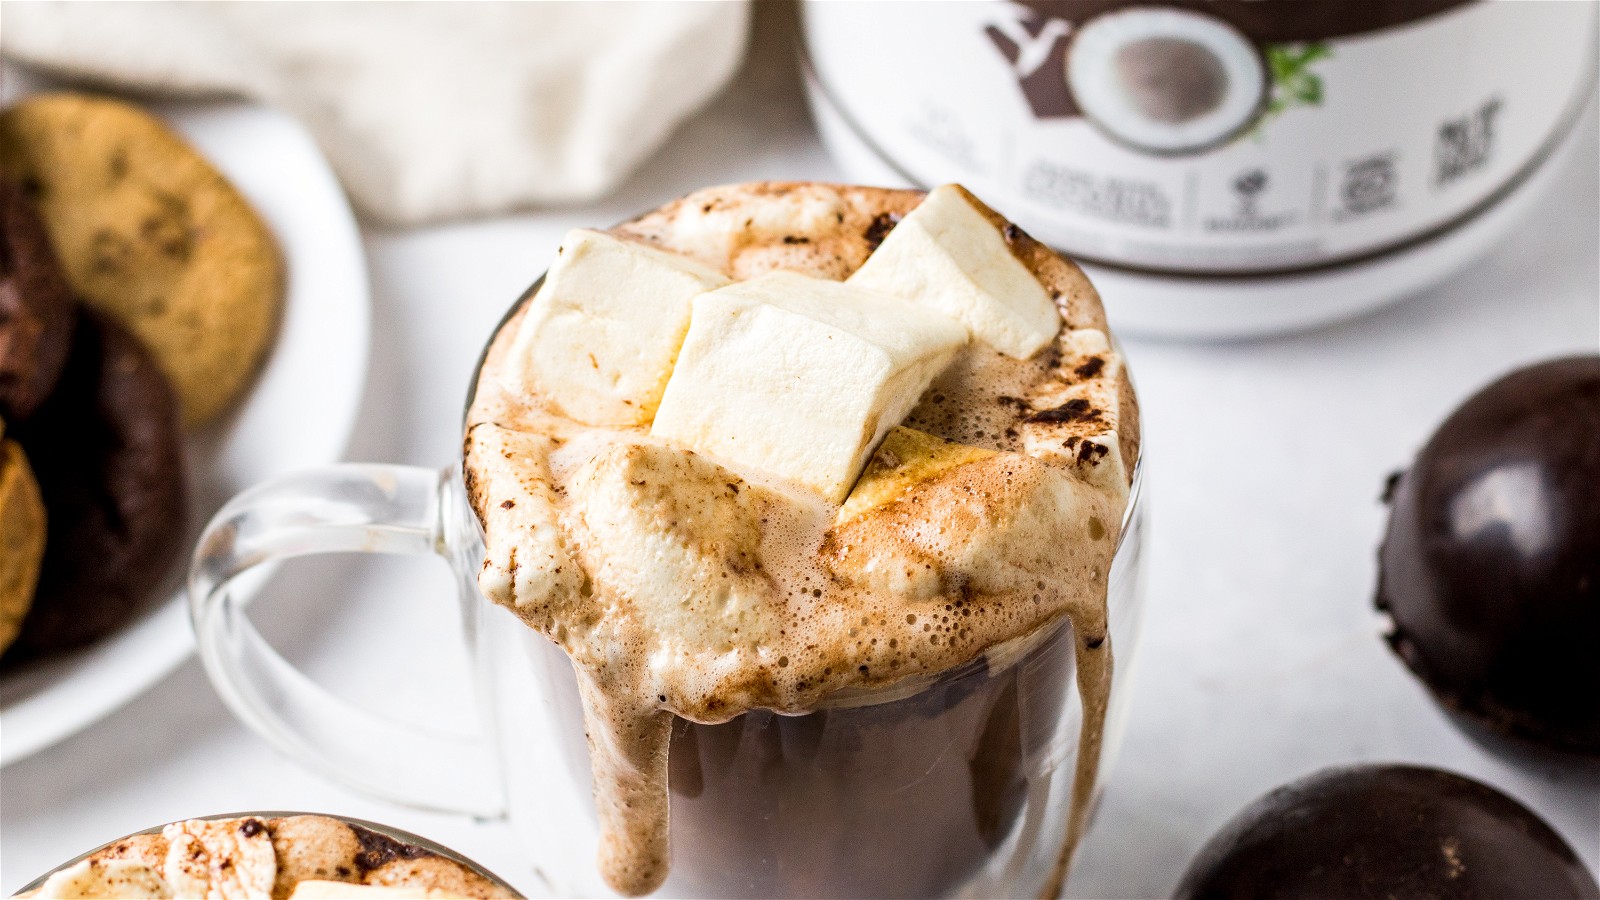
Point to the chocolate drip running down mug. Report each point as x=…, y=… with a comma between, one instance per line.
x=958, y=784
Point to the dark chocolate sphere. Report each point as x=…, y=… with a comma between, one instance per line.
x=1490, y=569
x=1386, y=832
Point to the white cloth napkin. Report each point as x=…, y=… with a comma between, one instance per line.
x=427, y=110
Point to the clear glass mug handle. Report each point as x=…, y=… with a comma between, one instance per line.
x=349, y=508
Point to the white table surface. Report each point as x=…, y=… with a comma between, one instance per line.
x=1261, y=658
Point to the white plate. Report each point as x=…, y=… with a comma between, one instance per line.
x=299, y=412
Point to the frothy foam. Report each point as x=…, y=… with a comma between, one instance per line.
x=254, y=856
x=680, y=586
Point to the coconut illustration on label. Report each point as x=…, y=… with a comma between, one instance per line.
x=1226, y=167
x=1160, y=80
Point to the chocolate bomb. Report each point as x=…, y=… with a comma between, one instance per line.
x=1382, y=832
x=1490, y=568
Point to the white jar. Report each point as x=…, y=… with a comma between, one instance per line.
x=1225, y=168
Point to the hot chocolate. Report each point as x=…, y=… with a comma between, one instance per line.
x=276, y=856
x=834, y=472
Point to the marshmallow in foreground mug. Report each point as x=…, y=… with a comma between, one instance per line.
x=427, y=111
x=1221, y=169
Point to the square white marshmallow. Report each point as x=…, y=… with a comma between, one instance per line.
x=801, y=377
x=947, y=255
x=600, y=337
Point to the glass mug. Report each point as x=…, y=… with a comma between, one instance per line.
x=957, y=784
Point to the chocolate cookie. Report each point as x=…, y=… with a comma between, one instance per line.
x=22, y=527
x=148, y=231
x=106, y=449
x=36, y=308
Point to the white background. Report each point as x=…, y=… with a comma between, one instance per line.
x=1261, y=658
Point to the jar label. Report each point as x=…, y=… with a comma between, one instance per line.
x=1212, y=137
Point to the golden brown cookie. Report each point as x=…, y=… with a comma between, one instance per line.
x=22, y=530
x=149, y=232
